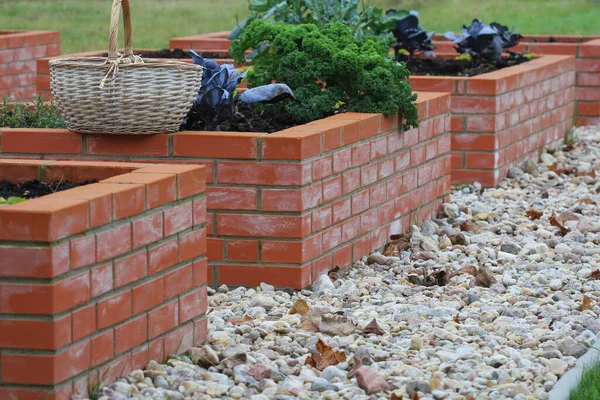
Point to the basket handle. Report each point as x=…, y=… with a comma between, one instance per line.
x=114, y=29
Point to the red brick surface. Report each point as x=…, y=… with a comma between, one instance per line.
x=80, y=291
x=501, y=118
x=19, y=51
x=281, y=207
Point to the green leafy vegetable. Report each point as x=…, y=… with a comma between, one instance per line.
x=327, y=67
x=11, y=200
x=38, y=115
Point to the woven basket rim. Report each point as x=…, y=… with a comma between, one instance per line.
x=101, y=62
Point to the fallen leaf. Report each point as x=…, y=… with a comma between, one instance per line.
x=333, y=273
x=326, y=357
x=484, y=277
x=469, y=269
x=586, y=304
x=402, y=241
x=559, y=171
x=456, y=319
x=534, y=214
x=585, y=200
x=241, y=320
x=356, y=364
x=592, y=173
x=395, y=396
x=415, y=396
x=595, y=274
x=299, y=307
x=469, y=397
x=310, y=321
x=469, y=226
x=336, y=326
x=555, y=221
x=391, y=250
x=414, y=279
x=373, y=327
x=442, y=277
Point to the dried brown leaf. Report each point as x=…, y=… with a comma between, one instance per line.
x=402, y=241
x=469, y=226
x=484, y=277
x=310, y=321
x=559, y=171
x=457, y=319
x=299, y=307
x=241, y=320
x=595, y=274
x=336, y=326
x=356, y=365
x=586, y=304
x=534, y=214
x=391, y=250
x=395, y=396
x=585, y=200
x=373, y=327
x=555, y=221
x=592, y=173
x=469, y=269
x=326, y=358
x=415, y=396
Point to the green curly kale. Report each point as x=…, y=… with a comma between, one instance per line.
x=326, y=68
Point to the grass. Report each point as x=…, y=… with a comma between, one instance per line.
x=84, y=23
x=589, y=387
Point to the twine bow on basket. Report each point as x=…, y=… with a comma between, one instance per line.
x=111, y=74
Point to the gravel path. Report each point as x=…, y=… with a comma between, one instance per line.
x=494, y=300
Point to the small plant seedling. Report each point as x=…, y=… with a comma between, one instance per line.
x=11, y=200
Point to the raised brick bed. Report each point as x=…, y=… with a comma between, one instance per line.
x=19, y=51
x=286, y=206
x=586, y=49
x=42, y=81
x=501, y=118
x=100, y=279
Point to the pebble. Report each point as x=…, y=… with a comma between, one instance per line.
x=512, y=340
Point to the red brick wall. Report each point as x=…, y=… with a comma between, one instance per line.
x=98, y=280
x=587, y=92
x=286, y=206
x=19, y=51
x=501, y=118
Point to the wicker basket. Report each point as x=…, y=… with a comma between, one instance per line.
x=123, y=94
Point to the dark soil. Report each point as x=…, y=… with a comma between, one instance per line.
x=179, y=54
x=35, y=188
x=550, y=40
x=249, y=118
x=445, y=67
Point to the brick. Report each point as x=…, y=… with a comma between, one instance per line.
x=101, y=279
x=130, y=268
x=128, y=145
x=192, y=305
x=178, y=218
x=147, y=295
x=291, y=252
x=332, y=188
x=360, y=202
x=192, y=244
x=84, y=321
x=29, y=369
x=291, y=200
x=146, y=230
x=32, y=334
x=254, y=173
x=252, y=275
x=46, y=299
x=103, y=347
x=41, y=141
x=215, y=250
x=322, y=168
x=351, y=181
x=242, y=250
x=114, y=309
x=361, y=154
x=343, y=256
x=178, y=281
x=199, y=211
x=45, y=219
x=180, y=340
x=322, y=218
x=113, y=242
x=160, y=188
x=292, y=144
x=351, y=229
x=342, y=209
x=199, y=272
x=368, y=174
x=163, y=319
x=132, y=333
x=361, y=247
x=342, y=160
x=34, y=262
x=263, y=225
x=216, y=145
x=227, y=198
x=191, y=179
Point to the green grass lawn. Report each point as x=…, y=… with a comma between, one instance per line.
x=589, y=387
x=84, y=23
